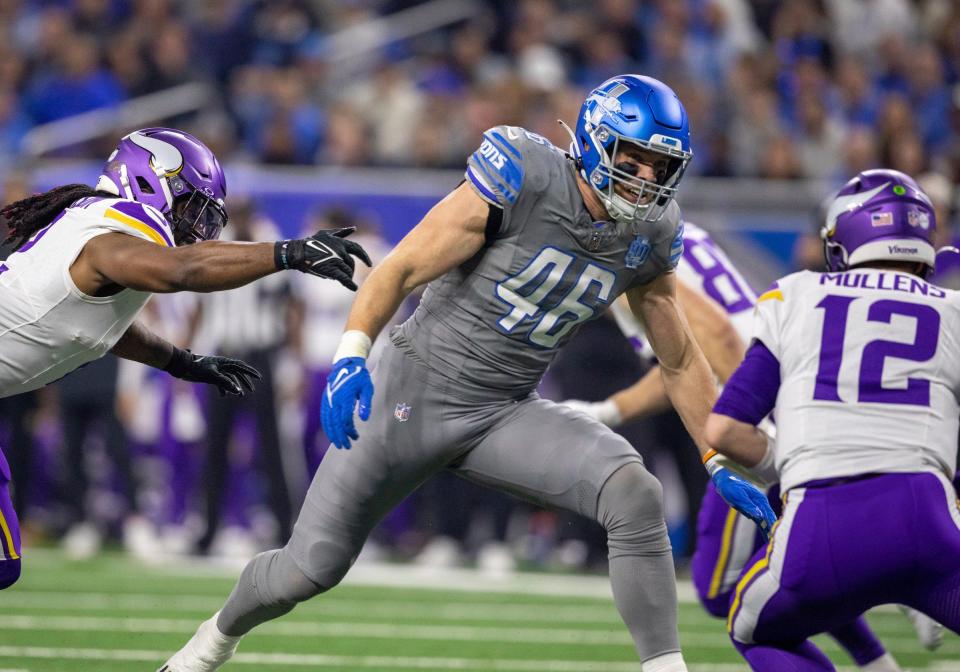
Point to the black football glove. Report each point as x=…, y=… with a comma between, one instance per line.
x=231, y=376
x=325, y=254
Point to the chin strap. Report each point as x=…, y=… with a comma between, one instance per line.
x=572, y=153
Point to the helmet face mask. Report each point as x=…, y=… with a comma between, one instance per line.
x=195, y=217
x=632, y=111
x=173, y=172
x=627, y=196
x=882, y=216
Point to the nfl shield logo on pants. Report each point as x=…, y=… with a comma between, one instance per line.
x=402, y=412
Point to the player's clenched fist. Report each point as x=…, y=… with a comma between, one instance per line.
x=349, y=383
x=325, y=254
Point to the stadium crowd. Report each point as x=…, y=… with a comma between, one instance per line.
x=799, y=89
x=772, y=88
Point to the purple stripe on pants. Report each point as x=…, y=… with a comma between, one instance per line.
x=9, y=530
x=843, y=549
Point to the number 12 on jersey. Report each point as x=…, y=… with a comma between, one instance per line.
x=836, y=310
x=525, y=291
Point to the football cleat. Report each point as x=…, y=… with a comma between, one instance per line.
x=929, y=632
x=206, y=651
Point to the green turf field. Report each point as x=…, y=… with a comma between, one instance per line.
x=115, y=615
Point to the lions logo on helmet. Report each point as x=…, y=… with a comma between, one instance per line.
x=644, y=112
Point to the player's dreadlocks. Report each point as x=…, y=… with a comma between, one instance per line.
x=28, y=215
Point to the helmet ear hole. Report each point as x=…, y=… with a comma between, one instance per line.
x=144, y=185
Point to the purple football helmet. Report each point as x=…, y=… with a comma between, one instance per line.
x=176, y=174
x=879, y=215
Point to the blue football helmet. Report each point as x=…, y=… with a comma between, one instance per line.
x=639, y=110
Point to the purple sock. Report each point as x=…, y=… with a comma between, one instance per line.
x=859, y=641
x=9, y=572
x=804, y=657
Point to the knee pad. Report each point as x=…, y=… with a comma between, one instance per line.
x=630, y=508
x=9, y=572
x=278, y=580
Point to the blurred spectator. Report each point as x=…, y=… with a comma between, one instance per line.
x=780, y=160
x=324, y=307
x=77, y=84
x=88, y=410
x=859, y=101
x=248, y=323
x=818, y=138
x=859, y=25
x=929, y=95
x=859, y=151
x=347, y=139
x=392, y=106
x=904, y=152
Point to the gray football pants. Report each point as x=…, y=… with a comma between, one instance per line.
x=533, y=448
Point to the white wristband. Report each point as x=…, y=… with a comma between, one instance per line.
x=608, y=413
x=353, y=343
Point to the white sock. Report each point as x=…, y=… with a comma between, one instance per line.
x=217, y=640
x=884, y=663
x=668, y=662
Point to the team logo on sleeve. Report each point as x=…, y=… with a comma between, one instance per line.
x=402, y=412
x=638, y=252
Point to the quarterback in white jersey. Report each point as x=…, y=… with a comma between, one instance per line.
x=859, y=365
x=719, y=304
x=85, y=262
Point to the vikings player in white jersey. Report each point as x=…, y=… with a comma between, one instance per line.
x=718, y=303
x=859, y=365
x=85, y=262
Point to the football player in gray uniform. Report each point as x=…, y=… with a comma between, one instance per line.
x=533, y=243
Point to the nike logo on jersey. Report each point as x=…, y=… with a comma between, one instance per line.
x=343, y=375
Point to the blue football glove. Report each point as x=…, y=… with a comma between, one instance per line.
x=745, y=498
x=349, y=382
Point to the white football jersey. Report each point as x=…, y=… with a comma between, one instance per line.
x=48, y=327
x=707, y=269
x=869, y=373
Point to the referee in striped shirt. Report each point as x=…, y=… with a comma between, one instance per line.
x=250, y=323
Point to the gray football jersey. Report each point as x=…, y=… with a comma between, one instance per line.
x=496, y=322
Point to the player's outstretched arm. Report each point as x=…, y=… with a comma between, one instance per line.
x=230, y=376
x=692, y=390
x=451, y=233
x=715, y=334
x=686, y=375
x=209, y=266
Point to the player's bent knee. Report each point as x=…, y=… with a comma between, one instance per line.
x=9, y=573
x=279, y=582
x=718, y=606
x=630, y=508
x=327, y=562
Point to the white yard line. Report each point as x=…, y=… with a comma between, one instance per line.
x=334, y=606
x=457, y=611
x=373, y=662
x=615, y=636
